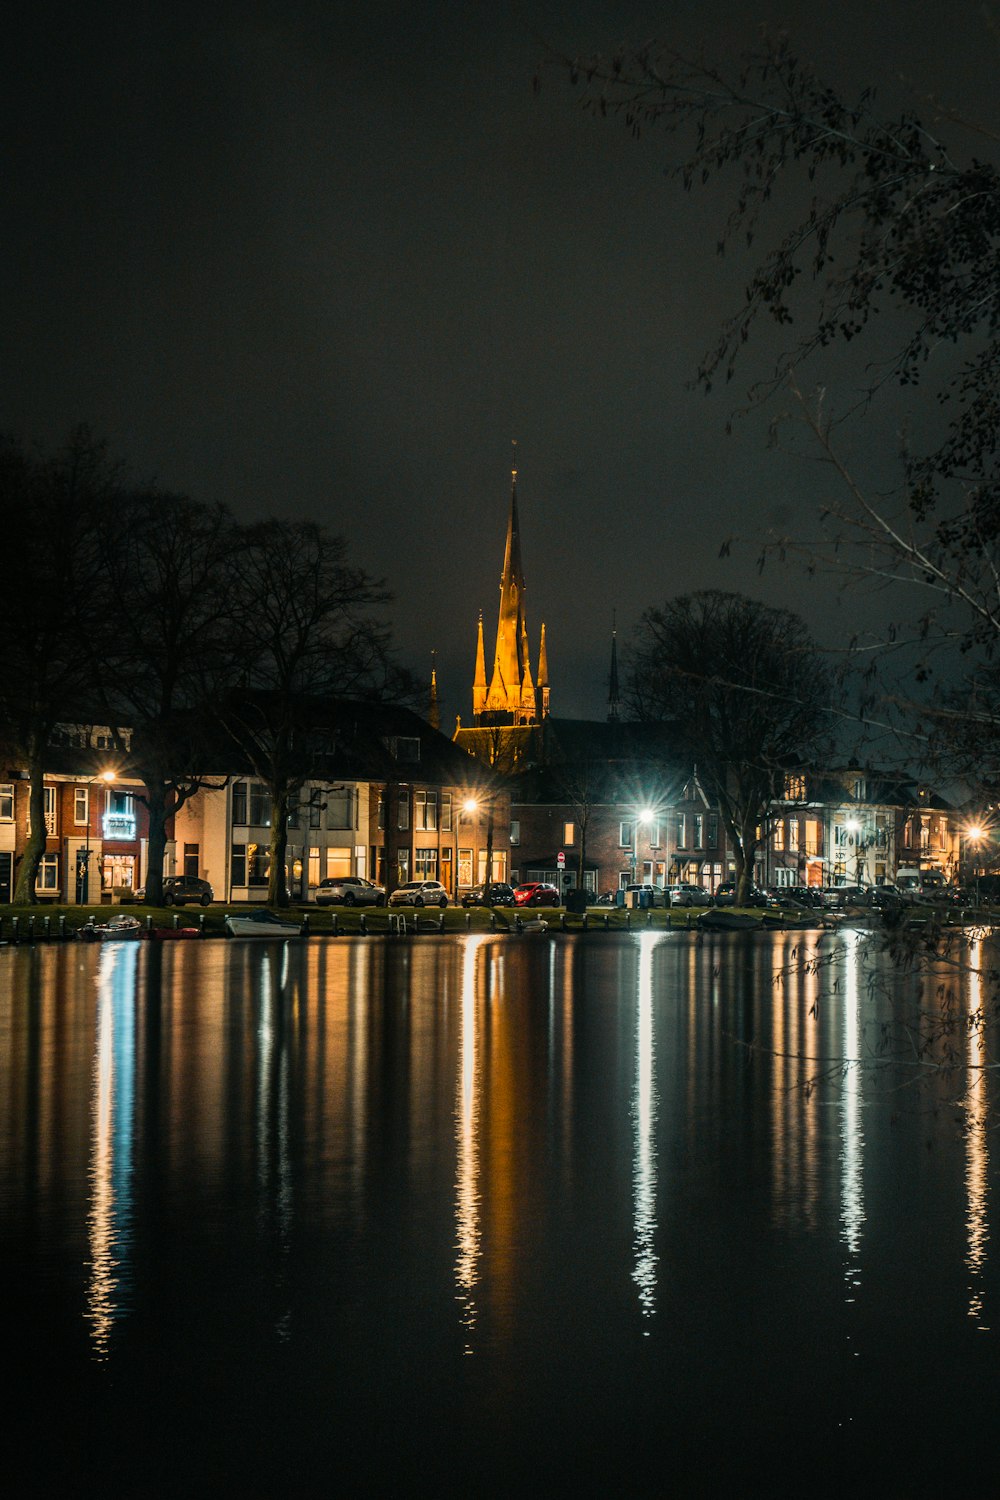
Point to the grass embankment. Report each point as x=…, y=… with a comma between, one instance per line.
x=54, y=922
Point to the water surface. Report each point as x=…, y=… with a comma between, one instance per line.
x=625, y=1214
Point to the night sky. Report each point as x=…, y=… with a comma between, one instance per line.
x=318, y=260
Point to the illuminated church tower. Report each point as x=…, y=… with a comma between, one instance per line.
x=511, y=696
x=512, y=699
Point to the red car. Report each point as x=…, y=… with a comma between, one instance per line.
x=537, y=893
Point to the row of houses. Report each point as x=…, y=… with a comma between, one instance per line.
x=594, y=805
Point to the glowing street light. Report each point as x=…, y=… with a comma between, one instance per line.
x=83, y=855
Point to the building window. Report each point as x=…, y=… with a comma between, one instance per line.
x=257, y=863
x=404, y=810
x=251, y=805
x=425, y=864
x=425, y=811
x=81, y=806
x=569, y=834
x=778, y=836
x=47, y=878
x=340, y=808
x=656, y=835
x=515, y=830
x=841, y=838
x=860, y=791
x=192, y=853
x=793, y=835
x=49, y=794
x=624, y=835
x=812, y=835
x=7, y=802
x=699, y=831
x=795, y=788
x=238, y=865
x=465, y=867
x=446, y=812
x=682, y=831
x=713, y=830
x=403, y=865
x=119, y=816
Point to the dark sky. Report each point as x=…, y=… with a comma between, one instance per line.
x=311, y=259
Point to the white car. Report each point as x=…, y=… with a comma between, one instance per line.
x=420, y=893
x=688, y=895
x=349, y=890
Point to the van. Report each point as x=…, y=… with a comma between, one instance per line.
x=913, y=882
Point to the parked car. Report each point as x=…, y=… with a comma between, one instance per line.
x=725, y=895
x=688, y=895
x=883, y=896
x=650, y=895
x=349, y=890
x=536, y=893
x=420, y=893
x=801, y=895
x=501, y=894
x=178, y=890
x=847, y=895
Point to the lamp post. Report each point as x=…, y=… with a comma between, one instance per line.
x=83, y=855
x=974, y=835
x=472, y=805
x=645, y=816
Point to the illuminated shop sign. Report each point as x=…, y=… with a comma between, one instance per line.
x=119, y=825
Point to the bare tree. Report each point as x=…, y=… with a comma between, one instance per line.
x=54, y=598
x=307, y=637
x=165, y=646
x=747, y=695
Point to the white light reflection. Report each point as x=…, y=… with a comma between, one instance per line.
x=977, y=1156
x=644, y=1103
x=112, y=1126
x=852, y=1141
x=467, y=1198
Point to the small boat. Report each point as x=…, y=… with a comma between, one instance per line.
x=113, y=931
x=533, y=924
x=717, y=920
x=261, y=924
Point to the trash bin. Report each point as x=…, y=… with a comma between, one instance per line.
x=577, y=900
x=645, y=899
x=619, y=898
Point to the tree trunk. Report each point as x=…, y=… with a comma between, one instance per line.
x=156, y=802
x=277, y=883
x=24, y=890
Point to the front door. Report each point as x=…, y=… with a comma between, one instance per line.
x=6, y=877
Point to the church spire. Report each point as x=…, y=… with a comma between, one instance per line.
x=614, y=701
x=434, y=708
x=479, y=682
x=543, y=675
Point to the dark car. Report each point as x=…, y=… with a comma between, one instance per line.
x=349, y=890
x=179, y=889
x=801, y=895
x=537, y=893
x=501, y=894
x=725, y=895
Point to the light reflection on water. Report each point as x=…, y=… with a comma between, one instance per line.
x=372, y=1159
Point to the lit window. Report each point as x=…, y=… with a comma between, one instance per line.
x=446, y=812
x=569, y=834
x=47, y=878
x=7, y=802
x=515, y=830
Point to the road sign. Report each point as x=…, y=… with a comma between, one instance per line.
x=561, y=860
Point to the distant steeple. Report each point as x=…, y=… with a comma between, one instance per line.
x=479, y=681
x=543, y=675
x=614, y=700
x=511, y=694
x=434, y=709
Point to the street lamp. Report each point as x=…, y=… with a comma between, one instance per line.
x=83, y=855
x=471, y=805
x=645, y=816
x=974, y=835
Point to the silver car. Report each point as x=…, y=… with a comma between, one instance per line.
x=420, y=893
x=349, y=890
x=688, y=895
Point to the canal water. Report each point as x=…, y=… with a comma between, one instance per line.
x=625, y=1214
